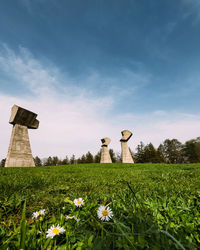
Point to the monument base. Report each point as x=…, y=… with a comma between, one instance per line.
x=126, y=154
x=19, y=151
x=105, y=155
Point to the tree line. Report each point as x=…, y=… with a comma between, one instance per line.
x=85, y=158
x=170, y=151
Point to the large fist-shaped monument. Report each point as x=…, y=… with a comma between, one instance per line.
x=105, y=155
x=126, y=154
x=19, y=151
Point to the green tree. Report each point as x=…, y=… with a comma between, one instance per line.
x=139, y=155
x=65, y=161
x=55, y=161
x=37, y=161
x=49, y=161
x=97, y=157
x=173, y=151
x=78, y=161
x=83, y=159
x=89, y=157
x=149, y=154
x=160, y=154
x=112, y=155
x=3, y=161
x=72, y=160
x=191, y=151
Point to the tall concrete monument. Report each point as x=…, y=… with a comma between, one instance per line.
x=105, y=155
x=126, y=154
x=19, y=151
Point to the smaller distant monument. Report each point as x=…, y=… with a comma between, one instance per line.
x=105, y=155
x=19, y=151
x=126, y=154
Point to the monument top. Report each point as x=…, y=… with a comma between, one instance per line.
x=23, y=117
x=126, y=135
x=105, y=141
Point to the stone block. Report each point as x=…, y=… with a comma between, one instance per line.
x=126, y=154
x=105, y=155
x=19, y=151
x=23, y=117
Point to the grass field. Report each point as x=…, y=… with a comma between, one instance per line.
x=155, y=206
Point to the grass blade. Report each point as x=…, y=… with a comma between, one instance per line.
x=23, y=227
x=175, y=240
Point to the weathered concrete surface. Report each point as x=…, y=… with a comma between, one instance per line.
x=126, y=154
x=105, y=155
x=19, y=151
x=23, y=117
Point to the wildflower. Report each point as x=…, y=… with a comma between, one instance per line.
x=38, y=213
x=52, y=231
x=68, y=217
x=104, y=213
x=72, y=217
x=42, y=211
x=79, y=202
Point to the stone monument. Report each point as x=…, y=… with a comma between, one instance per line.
x=126, y=154
x=105, y=155
x=19, y=151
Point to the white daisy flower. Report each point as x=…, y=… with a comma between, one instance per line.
x=72, y=217
x=104, y=213
x=76, y=219
x=52, y=231
x=79, y=202
x=68, y=217
x=42, y=211
x=35, y=215
x=38, y=213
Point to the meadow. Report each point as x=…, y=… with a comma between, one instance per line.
x=155, y=206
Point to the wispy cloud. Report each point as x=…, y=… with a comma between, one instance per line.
x=66, y=112
x=28, y=71
x=42, y=78
x=73, y=119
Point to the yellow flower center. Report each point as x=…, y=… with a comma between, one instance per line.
x=38, y=213
x=55, y=231
x=78, y=202
x=105, y=212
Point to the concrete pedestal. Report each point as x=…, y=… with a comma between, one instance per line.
x=19, y=152
x=105, y=155
x=126, y=154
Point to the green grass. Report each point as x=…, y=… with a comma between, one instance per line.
x=155, y=206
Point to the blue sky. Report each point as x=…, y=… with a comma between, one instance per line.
x=125, y=64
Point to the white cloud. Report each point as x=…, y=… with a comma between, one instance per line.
x=66, y=114
x=28, y=71
x=72, y=120
x=65, y=127
x=157, y=126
